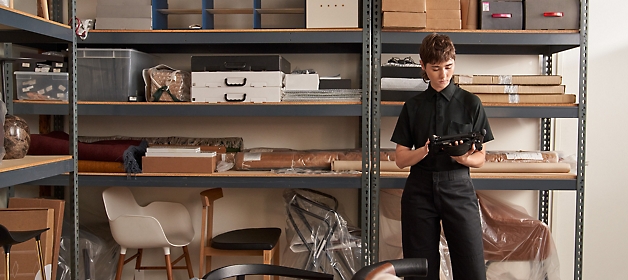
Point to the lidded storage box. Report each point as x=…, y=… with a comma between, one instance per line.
x=41, y=85
x=111, y=74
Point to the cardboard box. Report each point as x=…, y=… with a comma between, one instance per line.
x=534, y=98
x=404, y=20
x=509, y=79
x=301, y=81
x=408, y=6
x=24, y=257
x=443, y=14
x=444, y=23
x=331, y=13
x=514, y=89
x=58, y=206
x=442, y=5
x=178, y=164
x=469, y=14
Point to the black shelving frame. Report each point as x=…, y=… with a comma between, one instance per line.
x=370, y=41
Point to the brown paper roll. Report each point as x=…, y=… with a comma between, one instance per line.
x=314, y=159
x=344, y=165
x=523, y=167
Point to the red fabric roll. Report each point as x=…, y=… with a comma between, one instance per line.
x=57, y=143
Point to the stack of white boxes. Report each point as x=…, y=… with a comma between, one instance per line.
x=331, y=14
x=122, y=14
x=237, y=86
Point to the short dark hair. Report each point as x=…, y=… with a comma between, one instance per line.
x=436, y=48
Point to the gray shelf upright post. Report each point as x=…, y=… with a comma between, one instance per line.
x=73, y=194
x=7, y=77
x=365, y=207
x=545, y=143
x=582, y=114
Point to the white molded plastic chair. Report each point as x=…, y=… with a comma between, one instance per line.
x=159, y=224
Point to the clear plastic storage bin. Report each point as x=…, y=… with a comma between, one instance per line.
x=111, y=74
x=41, y=85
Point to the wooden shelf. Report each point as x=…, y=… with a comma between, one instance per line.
x=31, y=168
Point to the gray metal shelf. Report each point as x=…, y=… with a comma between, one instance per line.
x=323, y=181
x=230, y=41
x=329, y=41
x=21, y=28
x=498, y=184
x=279, y=109
x=35, y=172
x=389, y=109
x=190, y=109
x=487, y=41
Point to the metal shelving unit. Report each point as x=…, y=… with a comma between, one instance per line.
x=20, y=28
x=371, y=41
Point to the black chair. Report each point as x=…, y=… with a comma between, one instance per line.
x=400, y=268
x=241, y=270
x=9, y=238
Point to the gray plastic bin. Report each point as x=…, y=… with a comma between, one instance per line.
x=111, y=74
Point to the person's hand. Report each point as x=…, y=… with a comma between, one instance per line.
x=463, y=158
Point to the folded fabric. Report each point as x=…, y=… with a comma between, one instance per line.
x=100, y=166
x=57, y=143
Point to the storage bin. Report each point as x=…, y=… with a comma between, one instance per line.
x=111, y=74
x=41, y=85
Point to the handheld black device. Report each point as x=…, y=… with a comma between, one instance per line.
x=465, y=140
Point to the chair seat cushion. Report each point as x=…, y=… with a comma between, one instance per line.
x=247, y=239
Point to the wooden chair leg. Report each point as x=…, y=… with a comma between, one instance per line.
x=201, y=262
x=168, y=267
x=208, y=264
x=276, y=260
x=120, y=266
x=268, y=259
x=188, y=262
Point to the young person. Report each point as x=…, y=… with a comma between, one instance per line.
x=439, y=189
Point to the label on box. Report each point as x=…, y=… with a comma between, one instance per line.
x=486, y=7
x=48, y=88
x=252, y=156
x=524, y=156
x=513, y=98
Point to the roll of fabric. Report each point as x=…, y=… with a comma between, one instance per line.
x=57, y=143
x=100, y=166
x=522, y=156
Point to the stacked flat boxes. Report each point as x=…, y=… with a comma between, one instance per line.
x=121, y=14
x=443, y=14
x=404, y=14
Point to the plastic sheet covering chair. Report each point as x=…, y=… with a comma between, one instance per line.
x=9, y=238
x=512, y=235
x=317, y=228
x=241, y=242
x=401, y=268
x=159, y=224
x=241, y=270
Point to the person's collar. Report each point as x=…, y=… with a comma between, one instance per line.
x=447, y=92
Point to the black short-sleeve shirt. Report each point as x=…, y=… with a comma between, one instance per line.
x=451, y=111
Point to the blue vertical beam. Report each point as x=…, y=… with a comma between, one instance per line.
x=257, y=18
x=208, y=18
x=160, y=20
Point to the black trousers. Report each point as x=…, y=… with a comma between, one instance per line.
x=431, y=197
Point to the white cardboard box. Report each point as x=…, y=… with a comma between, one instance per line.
x=301, y=81
x=331, y=13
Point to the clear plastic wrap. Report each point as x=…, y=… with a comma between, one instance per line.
x=164, y=83
x=516, y=245
x=97, y=257
x=522, y=156
x=319, y=237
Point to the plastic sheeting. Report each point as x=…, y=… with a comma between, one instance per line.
x=97, y=258
x=516, y=245
x=319, y=237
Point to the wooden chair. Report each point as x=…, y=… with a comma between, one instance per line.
x=241, y=242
